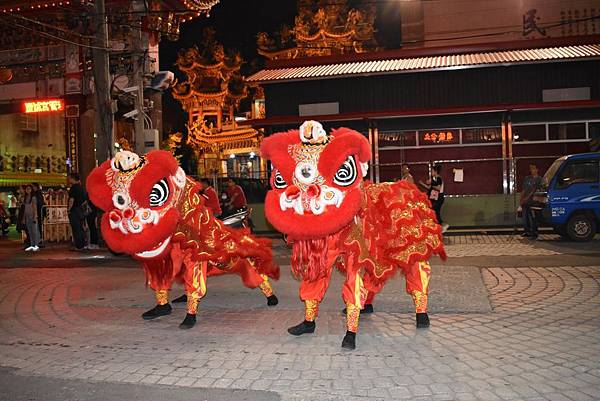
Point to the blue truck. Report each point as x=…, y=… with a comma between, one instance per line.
x=570, y=201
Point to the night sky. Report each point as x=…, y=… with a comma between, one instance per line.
x=237, y=23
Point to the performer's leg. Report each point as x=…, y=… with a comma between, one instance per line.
x=162, y=307
x=417, y=285
x=354, y=294
x=311, y=293
x=246, y=268
x=194, y=278
x=372, y=290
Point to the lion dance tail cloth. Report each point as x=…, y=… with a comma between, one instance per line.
x=335, y=219
x=153, y=212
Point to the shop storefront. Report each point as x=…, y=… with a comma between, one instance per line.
x=33, y=142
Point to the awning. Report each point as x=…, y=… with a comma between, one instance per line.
x=427, y=63
x=16, y=179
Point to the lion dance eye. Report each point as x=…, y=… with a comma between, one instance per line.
x=159, y=193
x=347, y=173
x=279, y=182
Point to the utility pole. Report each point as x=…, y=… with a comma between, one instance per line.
x=139, y=69
x=104, y=113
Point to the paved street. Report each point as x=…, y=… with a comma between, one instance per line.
x=511, y=320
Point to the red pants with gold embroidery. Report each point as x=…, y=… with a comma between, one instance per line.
x=417, y=285
x=194, y=274
x=353, y=292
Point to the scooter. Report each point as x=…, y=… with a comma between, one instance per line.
x=235, y=218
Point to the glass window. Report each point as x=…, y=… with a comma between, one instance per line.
x=482, y=135
x=529, y=133
x=397, y=138
x=439, y=137
x=594, y=130
x=561, y=132
x=579, y=172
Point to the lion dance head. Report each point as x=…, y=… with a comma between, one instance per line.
x=316, y=179
x=139, y=195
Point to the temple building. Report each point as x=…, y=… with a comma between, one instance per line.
x=211, y=95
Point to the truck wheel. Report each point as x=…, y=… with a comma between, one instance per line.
x=581, y=227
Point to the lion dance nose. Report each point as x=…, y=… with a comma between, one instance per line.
x=313, y=191
x=128, y=213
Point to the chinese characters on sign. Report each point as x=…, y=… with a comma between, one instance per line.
x=438, y=137
x=530, y=24
x=44, y=106
x=73, y=150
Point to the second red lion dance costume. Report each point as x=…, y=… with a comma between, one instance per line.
x=333, y=218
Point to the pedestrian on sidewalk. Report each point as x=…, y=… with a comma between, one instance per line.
x=4, y=219
x=531, y=184
x=76, y=214
x=406, y=175
x=30, y=214
x=39, y=196
x=21, y=227
x=435, y=192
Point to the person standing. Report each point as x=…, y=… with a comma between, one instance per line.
x=39, y=196
x=406, y=175
x=30, y=214
x=435, y=192
x=531, y=184
x=21, y=227
x=211, y=199
x=4, y=220
x=75, y=208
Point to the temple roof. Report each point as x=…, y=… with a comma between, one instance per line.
x=332, y=28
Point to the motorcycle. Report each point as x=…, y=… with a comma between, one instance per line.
x=235, y=218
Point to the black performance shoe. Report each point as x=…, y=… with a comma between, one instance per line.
x=422, y=320
x=272, y=300
x=302, y=328
x=157, y=311
x=180, y=299
x=368, y=309
x=349, y=341
x=188, y=322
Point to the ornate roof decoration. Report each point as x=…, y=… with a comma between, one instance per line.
x=205, y=138
x=213, y=77
x=327, y=28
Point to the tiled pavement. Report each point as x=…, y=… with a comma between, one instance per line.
x=532, y=336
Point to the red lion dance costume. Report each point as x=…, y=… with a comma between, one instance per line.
x=333, y=218
x=154, y=213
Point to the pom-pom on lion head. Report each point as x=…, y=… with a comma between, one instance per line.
x=316, y=179
x=139, y=195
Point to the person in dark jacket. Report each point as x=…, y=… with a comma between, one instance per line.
x=76, y=213
x=39, y=196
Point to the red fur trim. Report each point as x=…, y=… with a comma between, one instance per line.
x=98, y=190
x=309, y=258
x=275, y=148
